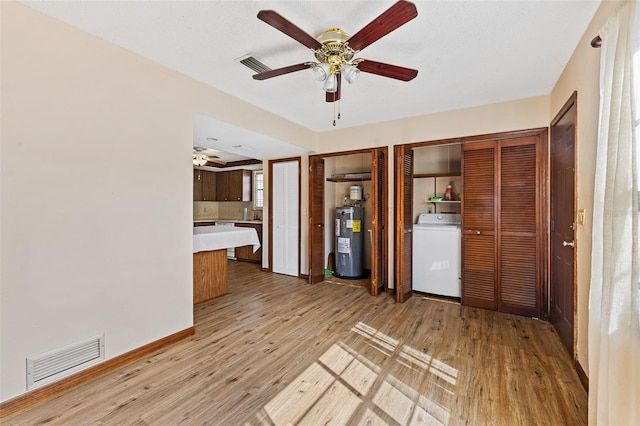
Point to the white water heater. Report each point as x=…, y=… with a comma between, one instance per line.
x=349, y=238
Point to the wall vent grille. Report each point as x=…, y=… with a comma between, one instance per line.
x=58, y=363
x=254, y=63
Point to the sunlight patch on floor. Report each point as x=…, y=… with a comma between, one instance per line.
x=334, y=387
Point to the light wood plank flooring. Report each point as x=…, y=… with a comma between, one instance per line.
x=276, y=350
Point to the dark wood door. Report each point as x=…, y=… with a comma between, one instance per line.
x=379, y=221
x=518, y=226
x=404, y=223
x=479, y=193
x=316, y=220
x=562, y=290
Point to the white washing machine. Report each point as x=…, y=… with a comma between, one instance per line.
x=436, y=254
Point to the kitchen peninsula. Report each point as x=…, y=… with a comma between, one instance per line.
x=210, y=245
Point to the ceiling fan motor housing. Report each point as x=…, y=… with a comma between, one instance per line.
x=335, y=50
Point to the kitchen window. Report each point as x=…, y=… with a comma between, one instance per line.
x=258, y=190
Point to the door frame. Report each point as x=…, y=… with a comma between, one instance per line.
x=382, y=230
x=573, y=100
x=270, y=198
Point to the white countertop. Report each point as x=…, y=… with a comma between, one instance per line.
x=255, y=222
x=208, y=238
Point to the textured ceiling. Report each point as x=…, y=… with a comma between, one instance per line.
x=468, y=53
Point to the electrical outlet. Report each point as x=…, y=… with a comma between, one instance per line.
x=581, y=214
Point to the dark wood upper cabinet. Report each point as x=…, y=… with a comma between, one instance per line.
x=204, y=185
x=197, y=185
x=209, y=186
x=503, y=232
x=223, y=186
x=234, y=185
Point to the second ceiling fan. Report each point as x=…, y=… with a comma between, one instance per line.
x=335, y=50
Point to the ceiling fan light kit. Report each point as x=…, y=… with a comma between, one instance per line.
x=335, y=50
x=321, y=71
x=350, y=72
x=200, y=159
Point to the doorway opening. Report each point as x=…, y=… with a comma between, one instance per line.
x=349, y=247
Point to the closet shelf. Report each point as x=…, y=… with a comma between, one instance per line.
x=435, y=175
x=353, y=179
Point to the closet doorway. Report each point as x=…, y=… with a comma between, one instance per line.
x=330, y=176
x=504, y=211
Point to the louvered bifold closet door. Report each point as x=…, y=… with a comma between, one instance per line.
x=379, y=207
x=316, y=220
x=518, y=227
x=404, y=222
x=479, y=190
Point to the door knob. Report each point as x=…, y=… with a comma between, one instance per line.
x=567, y=244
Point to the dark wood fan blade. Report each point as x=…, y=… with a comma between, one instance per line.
x=280, y=71
x=386, y=70
x=335, y=96
x=391, y=19
x=280, y=23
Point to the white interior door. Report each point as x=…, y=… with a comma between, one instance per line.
x=286, y=205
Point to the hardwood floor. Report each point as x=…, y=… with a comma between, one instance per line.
x=276, y=350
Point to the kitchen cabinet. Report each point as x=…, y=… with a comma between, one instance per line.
x=234, y=185
x=197, y=185
x=502, y=235
x=204, y=185
x=245, y=253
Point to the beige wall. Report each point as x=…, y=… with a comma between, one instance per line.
x=96, y=200
x=582, y=75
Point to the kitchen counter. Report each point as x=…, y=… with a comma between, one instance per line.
x=210, y=245
x=209, y=238
x=256, y=222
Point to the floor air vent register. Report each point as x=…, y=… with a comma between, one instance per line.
x=58, y=363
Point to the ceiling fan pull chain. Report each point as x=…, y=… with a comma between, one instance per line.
x=336, y=114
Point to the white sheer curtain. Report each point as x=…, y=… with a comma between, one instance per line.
x=614, y=313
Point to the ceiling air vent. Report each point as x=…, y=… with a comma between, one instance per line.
x=253, y=63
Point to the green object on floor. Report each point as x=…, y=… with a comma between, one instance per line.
x=327, y=272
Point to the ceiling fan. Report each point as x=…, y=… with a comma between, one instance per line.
x=335, y=50
x=202, y=156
